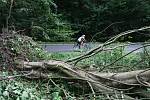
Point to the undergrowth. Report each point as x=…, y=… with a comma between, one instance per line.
x=15, y=48
x=101, y=61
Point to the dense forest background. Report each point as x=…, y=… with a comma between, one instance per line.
x=65, y=20
x=96, y=71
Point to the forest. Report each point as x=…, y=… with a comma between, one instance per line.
x=104, y=70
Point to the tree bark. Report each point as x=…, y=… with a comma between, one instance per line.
x=104, y=82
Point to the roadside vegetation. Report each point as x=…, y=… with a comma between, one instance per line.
x=15, y=86
x=104, y=72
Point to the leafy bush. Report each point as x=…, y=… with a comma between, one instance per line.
x=37, y=18
x=22, y=89
x=15, y=47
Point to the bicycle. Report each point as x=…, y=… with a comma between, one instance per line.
x=83, y=47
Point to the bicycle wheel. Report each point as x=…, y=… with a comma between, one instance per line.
x=76, y=45
x=86, y=47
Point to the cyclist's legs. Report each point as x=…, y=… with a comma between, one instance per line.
x=77, y=44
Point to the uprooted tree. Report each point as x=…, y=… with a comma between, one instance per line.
x=119, y=84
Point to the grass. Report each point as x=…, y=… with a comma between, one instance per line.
x=132, y=61
x=24, y=89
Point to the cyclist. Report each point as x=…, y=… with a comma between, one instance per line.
x=81, y=40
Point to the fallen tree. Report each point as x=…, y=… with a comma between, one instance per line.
x=100, y=82
x=112, y=85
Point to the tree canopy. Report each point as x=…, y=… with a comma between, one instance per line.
x=36, y=17
x=106, y=70
x=92, y=16
x=59, y=20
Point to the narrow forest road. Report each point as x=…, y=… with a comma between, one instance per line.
x=58, y=47
x=70, y=47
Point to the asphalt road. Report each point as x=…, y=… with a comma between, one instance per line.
x=58, y=47
x=70, y=47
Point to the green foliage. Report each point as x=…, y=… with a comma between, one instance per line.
x=15, y=90
x=62, y=33
x=48, y=20
x=25, y=12
x=92, y=16
x=19, y=89
x=25, y=46
x=23, y=89
x=38, y=19
x=19, y=48
x=55, y=96
x=100, y=60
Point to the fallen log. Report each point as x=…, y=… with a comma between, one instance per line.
x=103, y=82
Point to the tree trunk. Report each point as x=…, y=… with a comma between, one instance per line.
x=104, y=82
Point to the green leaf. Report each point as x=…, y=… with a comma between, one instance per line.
x=18, y=98
x=5, y=93
x=55, y=96
x=2, y=98
x=17, y=91
x=25, y=94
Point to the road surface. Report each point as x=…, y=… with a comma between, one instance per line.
x=70, y=47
